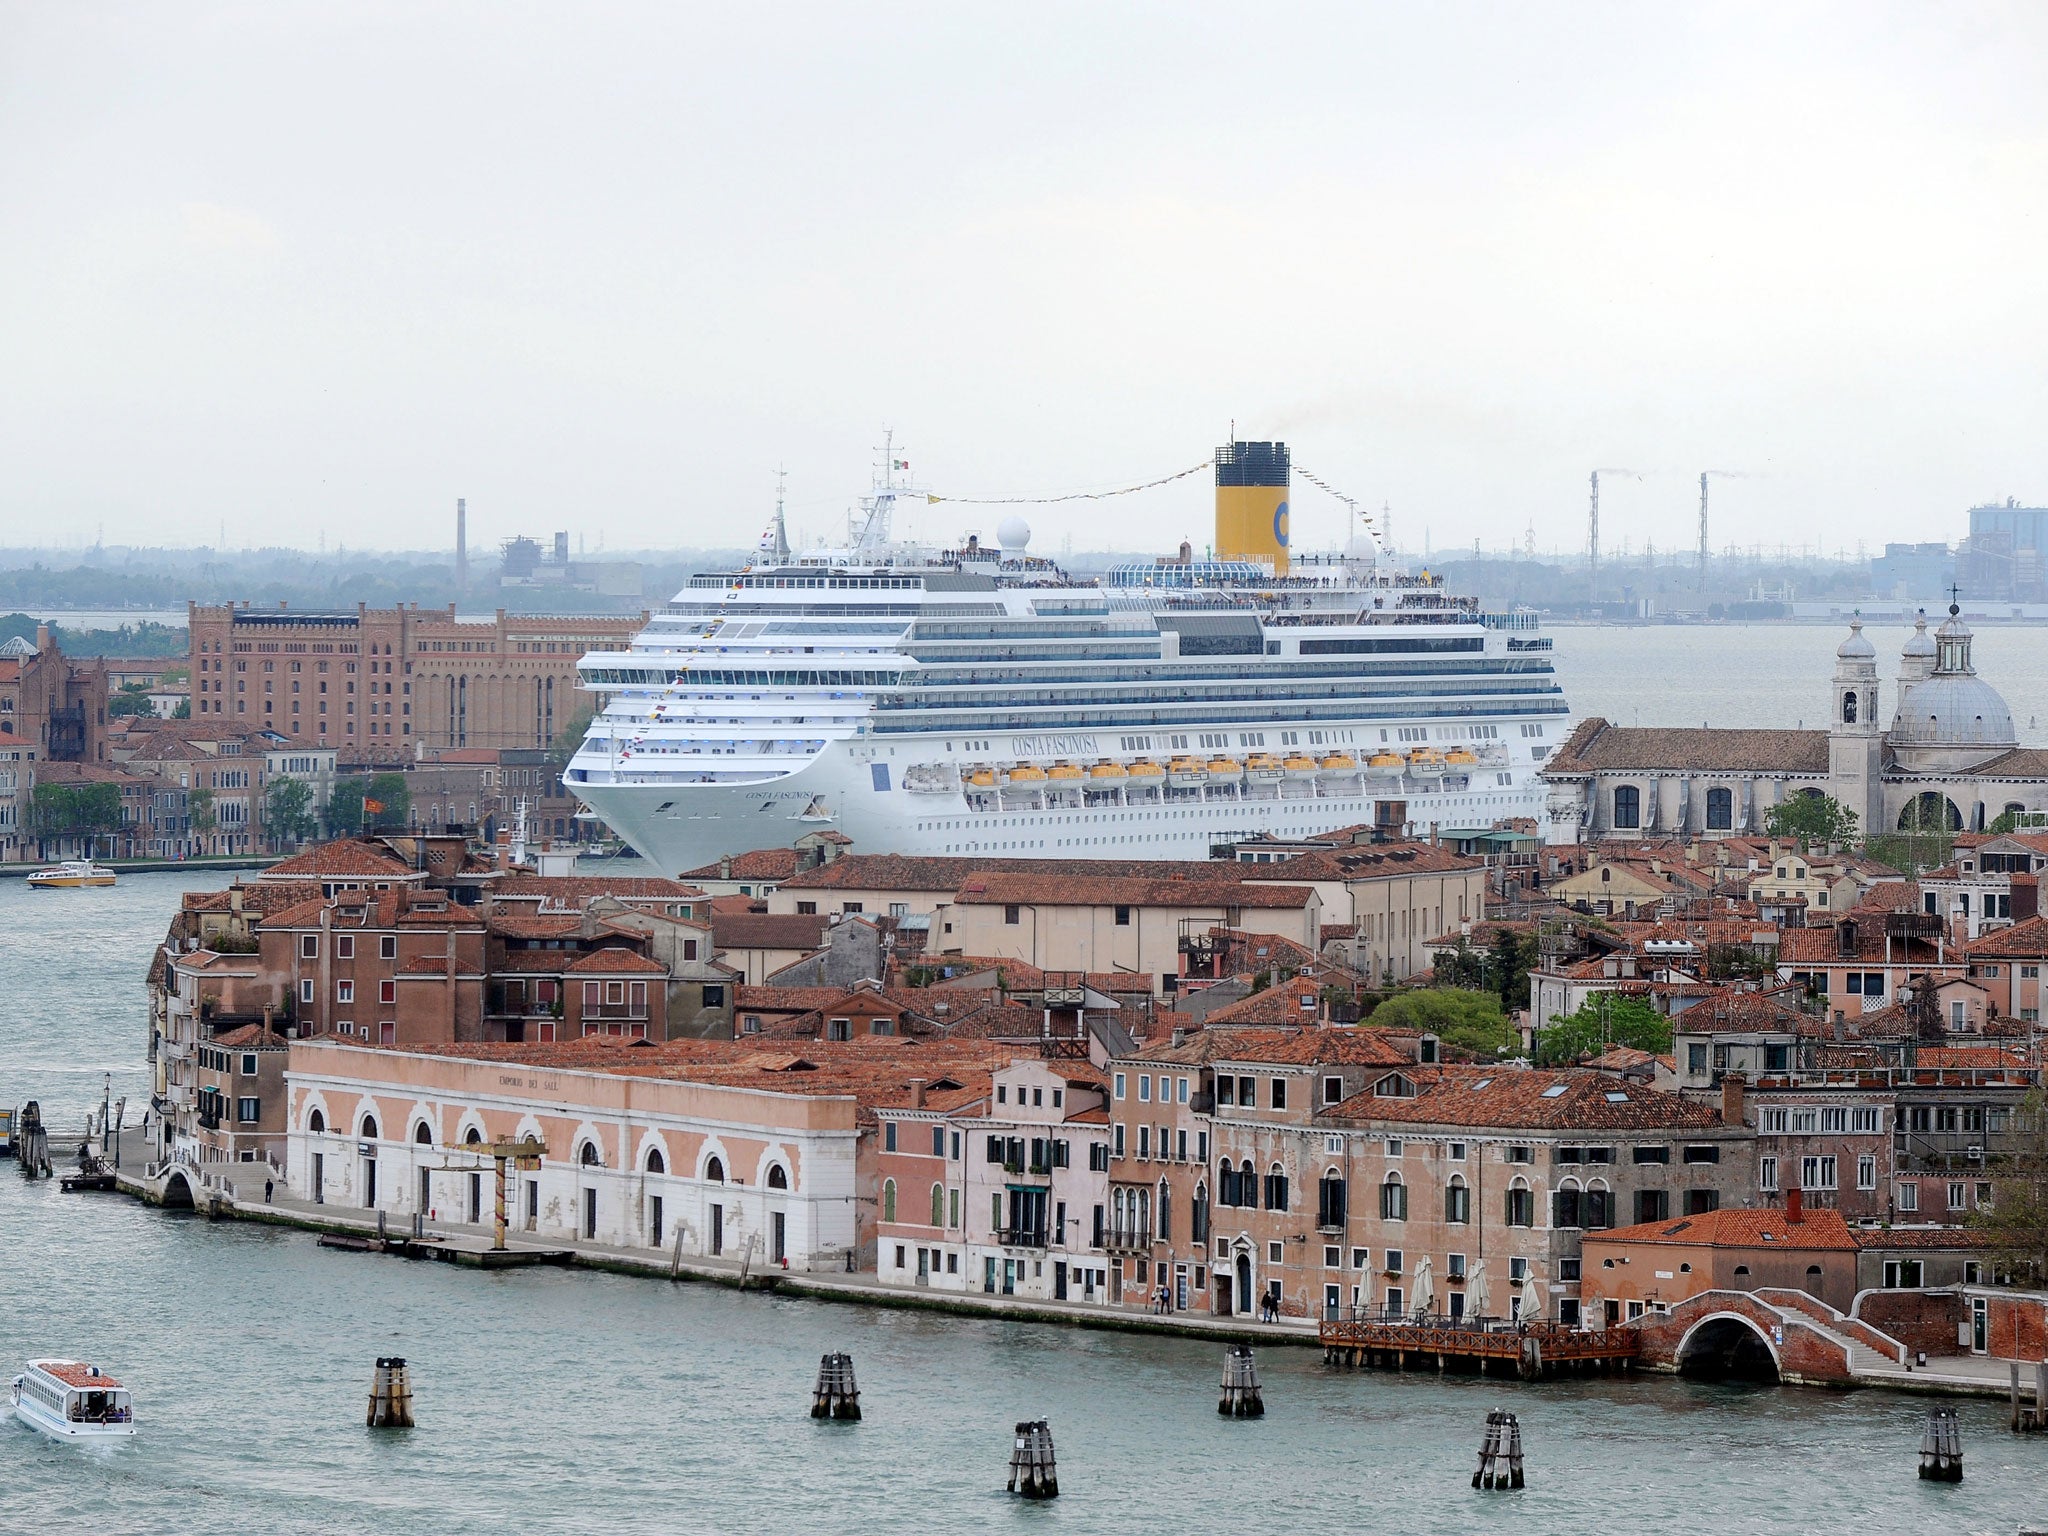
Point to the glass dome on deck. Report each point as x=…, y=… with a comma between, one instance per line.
x=1191, y=573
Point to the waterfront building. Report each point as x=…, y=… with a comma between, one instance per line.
x=687, y=1146
x=1001, y=1189
x=52, y=710
x=240, y=1113
x=379, y=683
x=1950, y=758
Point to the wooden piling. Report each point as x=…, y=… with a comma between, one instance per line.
x=835, y=1396
x=1500, y=1453
x=1941, y=1447
x=391, y=1394
x=1241, y=1397
x=1033, y=1474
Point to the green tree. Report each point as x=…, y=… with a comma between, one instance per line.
x=1811, y=818
x=567, y=740
x=1604, y=1019
x=2015, y=1224
x=288, y=810
x=85, y=811
x=345, y=807
x=204, y=819
x=1470, y=1020
x=133, y=699
x=183, y=711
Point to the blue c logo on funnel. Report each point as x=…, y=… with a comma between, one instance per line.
x=1280, y=525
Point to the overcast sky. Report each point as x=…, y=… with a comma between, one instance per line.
x=299, y=269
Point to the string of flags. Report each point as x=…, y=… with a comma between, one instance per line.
x=1330, y=490
x=1040, y=501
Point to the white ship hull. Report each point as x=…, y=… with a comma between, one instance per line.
x=682, y=826
x=33, y=1414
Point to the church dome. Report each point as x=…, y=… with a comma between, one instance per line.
x=1952, y=706
x=1856, y=647
x=1920, y=643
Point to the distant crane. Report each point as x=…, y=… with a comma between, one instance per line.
x=1593, y=534
x=1725, y=474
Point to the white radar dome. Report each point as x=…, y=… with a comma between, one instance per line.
x=1014, y=533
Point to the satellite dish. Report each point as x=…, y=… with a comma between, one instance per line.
x=1014, y=534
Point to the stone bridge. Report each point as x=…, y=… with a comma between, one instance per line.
x=1763, y=1336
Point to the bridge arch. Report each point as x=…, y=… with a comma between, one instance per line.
x=1728, y=1346
x=178, y=1192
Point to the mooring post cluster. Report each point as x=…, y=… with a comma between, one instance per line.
x=1032, y=1472
x=835, y=1396
x=390, y=1394
x=1500, y=1453
x=1941, y=1447
x=1241, y=1398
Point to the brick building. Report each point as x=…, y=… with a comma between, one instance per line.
x=52, y=710
x=379, y=683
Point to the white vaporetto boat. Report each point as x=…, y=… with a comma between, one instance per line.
x=73, y=1401
x=72, y=873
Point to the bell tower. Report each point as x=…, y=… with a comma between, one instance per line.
x=1855, y=740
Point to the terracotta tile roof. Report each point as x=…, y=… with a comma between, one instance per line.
x=1822, y=946
x=761, y=864
x=1336, y=1047
x=526, y=962
x=906, y=872
x=252, y=1037
x=351, y=857
x=617, y=962
x=531, y=925
x=1565, y=1099
x=257, y=898
x=1597, y=746
x=769, y=930
x=2019, y=763
x=2025, y=940
x=1889, y=896
x=1282, y=1003
x=1068, y=890
x=581, y=890
x=1730, y=1011
x=1887, y=1238
x=1763, y=1227
x=785, y=999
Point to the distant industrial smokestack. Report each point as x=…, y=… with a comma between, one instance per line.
x=1252, y=481
x=461, y=546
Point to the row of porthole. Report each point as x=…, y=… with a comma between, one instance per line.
x=588, y=1156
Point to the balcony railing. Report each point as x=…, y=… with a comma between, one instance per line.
x=1021, y=1237
x=1127, y=1237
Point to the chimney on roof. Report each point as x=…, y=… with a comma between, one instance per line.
x=1734, y=1095
x=1795, y=1207
x=1180, y=1035
x=42, y=638
x=917, y=1093
x=725, y=866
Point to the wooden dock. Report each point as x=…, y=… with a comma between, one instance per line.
x=473, y=1252
x=1486, y=1345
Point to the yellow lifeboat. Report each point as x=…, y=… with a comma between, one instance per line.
x=1263, y=765
x=1225, y=768
x=981, y=776
x=1107, y=770
x=1143, y=769
x=1026, y=773
x=1186, y=770
x=1458, y=757
x=1063, y=772
x=1386, y=765
x=1340, y=763
x=1299, y=765
x=1425, y=760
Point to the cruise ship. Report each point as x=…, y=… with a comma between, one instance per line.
x=978, y=700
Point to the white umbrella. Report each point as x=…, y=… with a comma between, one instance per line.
x=1532, y=1299
x=1424, y=1294
x=1476, y=1297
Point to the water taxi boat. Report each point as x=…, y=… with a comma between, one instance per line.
x=73, y=1401
x=73, y=872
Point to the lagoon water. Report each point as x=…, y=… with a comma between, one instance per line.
x=585, y=1403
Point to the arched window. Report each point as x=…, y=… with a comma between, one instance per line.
x=1720, y=810
x=714, y=1171
x=1165, y=1212
x=1849, y=708
x=1198, y=1214
x=423, y=1133
x=472, y=1137
x=589, y=1157
x=1521, y=1204
x=1276, y=1188
x=316, y=1122
x=1628, y=806
x=1330, y=1201
x=1742, y=1275
x=656, y=1163
x=938, y=1205
x=1930, y=811
x=1457, y=1201
x=369, y=1128
x=1393, y=1199
x=778, y=1176
x=1248, y=1185
x=888, y=1200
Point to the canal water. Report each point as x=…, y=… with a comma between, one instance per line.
x=579, y=1402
